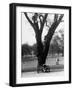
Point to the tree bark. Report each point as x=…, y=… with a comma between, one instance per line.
x=39, y=48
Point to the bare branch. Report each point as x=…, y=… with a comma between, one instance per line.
x=54, y=26
x=41, y=19
x=28, y=19
x=55, y=17
x=51, y=30
x=60, y=18
x=45, y=18
x=48, y=24
x=34, y=25
x=42, y=24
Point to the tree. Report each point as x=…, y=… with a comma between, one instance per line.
x=62, y=41
x=57, y=45
x=34, y=49
x=43, y=48
x=26, y=49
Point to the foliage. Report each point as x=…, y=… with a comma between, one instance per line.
x=26, y=49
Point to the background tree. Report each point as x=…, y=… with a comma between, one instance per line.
x=57, y=43
x=34, y=49
x=26, y=49
x=38, y=21
x=62, y=42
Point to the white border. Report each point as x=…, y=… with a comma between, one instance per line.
x=65, y=77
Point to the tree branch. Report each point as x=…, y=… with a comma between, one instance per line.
x=54, y=26
x=60, y=18
x=48, y=25
x=41, y=19
x=50, y=33
x=28, y=19
x=42, y=24
x=55, y=17
x=34, y=25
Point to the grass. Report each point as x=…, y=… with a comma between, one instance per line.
x=29, y=63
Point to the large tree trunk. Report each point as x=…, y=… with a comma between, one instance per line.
x=45, y=54
x=39, y=49
x=42, y=50
x=42, y=53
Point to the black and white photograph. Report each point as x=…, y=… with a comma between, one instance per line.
x=42, y=44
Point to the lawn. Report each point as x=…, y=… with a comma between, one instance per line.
x=29, y=63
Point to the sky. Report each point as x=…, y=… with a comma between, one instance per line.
x=28, y=35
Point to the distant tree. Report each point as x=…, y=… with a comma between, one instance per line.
x=54, y=47
x=57, y=45
x=26, y=49
x=34, y=49
x=62, y=42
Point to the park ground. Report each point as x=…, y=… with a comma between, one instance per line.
x=29, y=66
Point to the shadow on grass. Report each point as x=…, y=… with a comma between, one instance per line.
x=54, y=68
